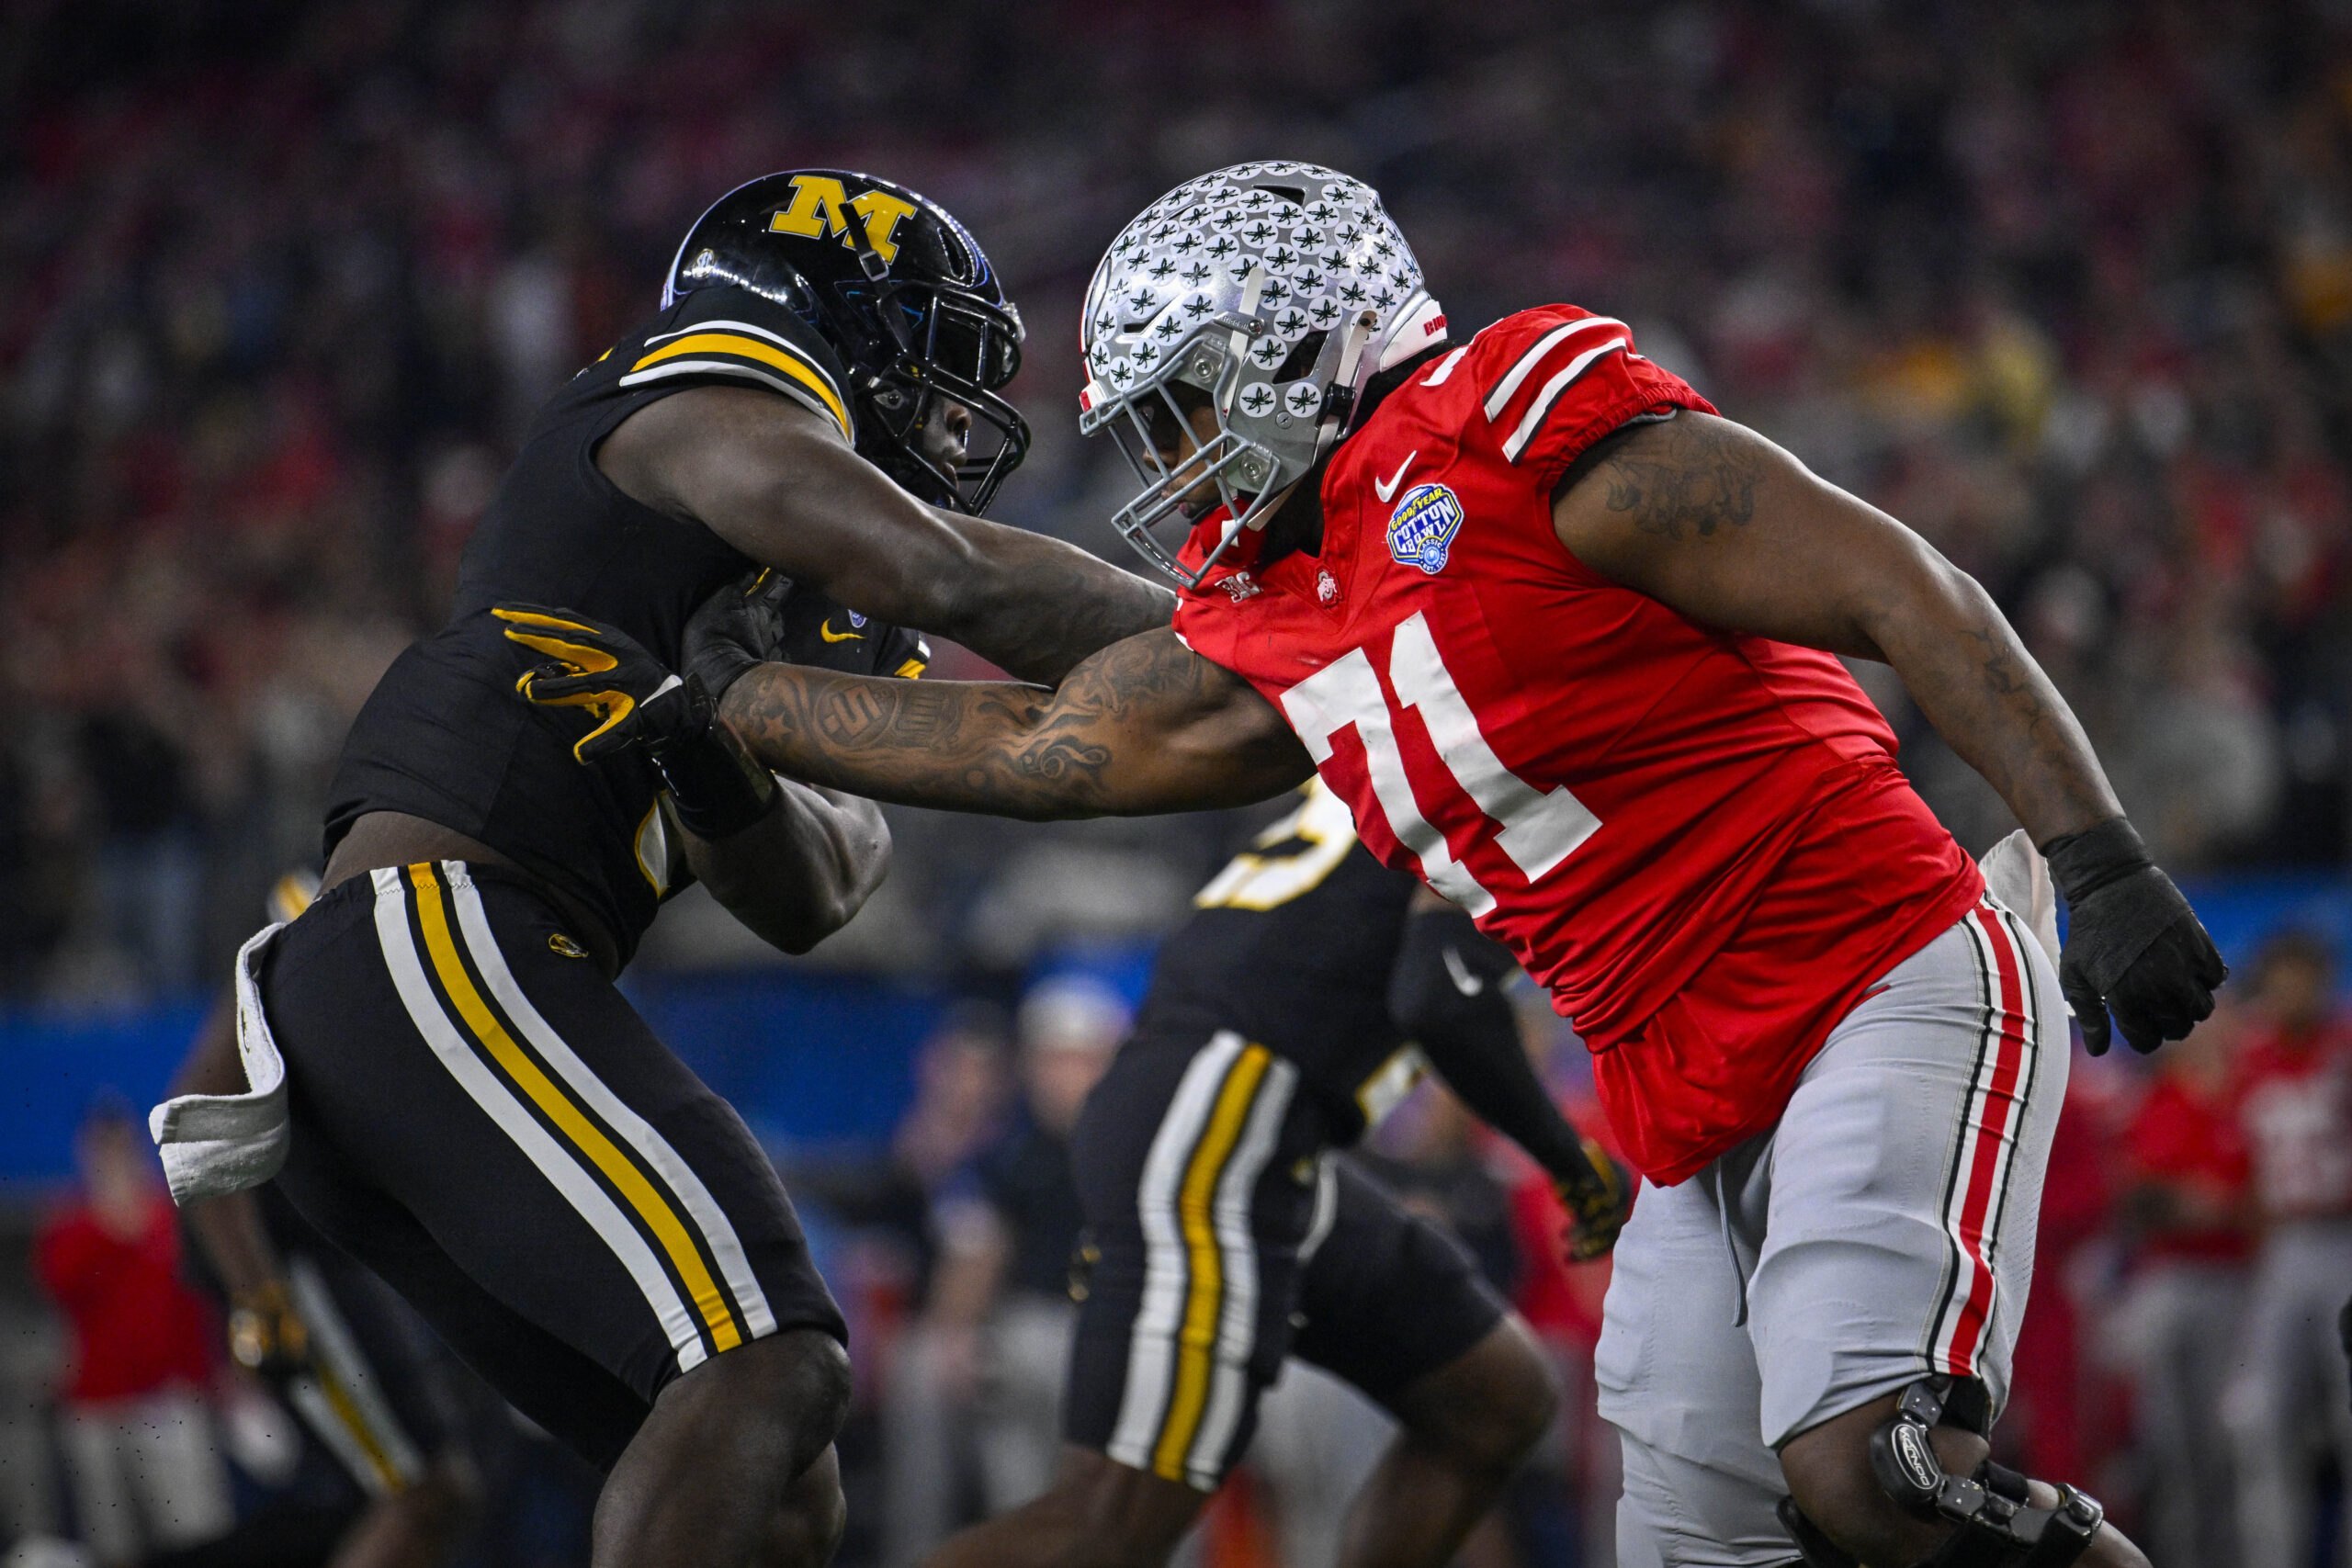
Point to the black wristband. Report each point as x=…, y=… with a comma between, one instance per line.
x=716, y=787
x=2081, y=863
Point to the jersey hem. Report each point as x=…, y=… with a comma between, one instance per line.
x=1940, y=917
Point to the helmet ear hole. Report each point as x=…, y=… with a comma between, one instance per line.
x=1302, y=356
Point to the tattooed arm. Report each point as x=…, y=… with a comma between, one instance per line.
x=1713, y=519
x=782, y=486
x=1145, y=725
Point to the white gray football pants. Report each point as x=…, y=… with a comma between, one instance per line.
x=1883, y=1230
x=2173, y=1325
x=2290, y=1398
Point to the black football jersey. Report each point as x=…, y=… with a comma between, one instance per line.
x=444, y=736
x=1291, y=945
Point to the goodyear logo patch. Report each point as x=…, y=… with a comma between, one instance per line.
x=1421, y=529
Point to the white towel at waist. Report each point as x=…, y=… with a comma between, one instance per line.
x=2018, y=879
x=216, y=1143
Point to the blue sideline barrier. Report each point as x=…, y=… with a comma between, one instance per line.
x=810, y=1060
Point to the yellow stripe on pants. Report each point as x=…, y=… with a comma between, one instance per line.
x=1205, y=1295
x=622, y=1172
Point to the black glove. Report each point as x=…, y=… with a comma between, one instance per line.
x=2133, y=946
x=1600, y=1206
x=739, y=625
x=718, y=788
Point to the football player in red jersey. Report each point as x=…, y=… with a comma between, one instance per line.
x=1566, y=642
x=2294, y=1106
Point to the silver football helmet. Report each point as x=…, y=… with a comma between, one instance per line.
x=1267, y=293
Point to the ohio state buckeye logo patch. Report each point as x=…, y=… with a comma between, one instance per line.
x=1421, y=529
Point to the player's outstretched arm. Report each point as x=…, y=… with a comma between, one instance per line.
x=1145, y=725
x=1726, y=527
x=792, y=862
x=782, y=486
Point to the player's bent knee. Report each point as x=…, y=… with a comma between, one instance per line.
x=782, y=1397
x=1892, y=1483
x=1490, y=1406
x=811, y=1518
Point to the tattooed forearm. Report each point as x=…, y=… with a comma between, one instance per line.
x=1144, y=725
x=1037, y=606
x=1686, y=480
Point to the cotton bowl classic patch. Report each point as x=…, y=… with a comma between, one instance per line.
x=1421, y=529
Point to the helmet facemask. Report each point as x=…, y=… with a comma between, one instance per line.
x=1265, y=295
x=1185, y=476
x=951, y=347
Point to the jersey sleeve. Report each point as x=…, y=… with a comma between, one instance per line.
x=733, y=334
x=1551, y=381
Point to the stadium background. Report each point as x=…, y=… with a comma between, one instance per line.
x=2067, y=286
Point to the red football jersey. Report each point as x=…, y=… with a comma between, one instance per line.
x=2295, y=1106
x=2181, y=1137
x=1698, y=841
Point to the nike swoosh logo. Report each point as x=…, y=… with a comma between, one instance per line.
x=1385, y=490
x=825, y=630
x=1469, y=985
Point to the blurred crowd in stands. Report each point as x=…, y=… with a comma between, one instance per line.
x=2064, y=284
x=2179, y=1356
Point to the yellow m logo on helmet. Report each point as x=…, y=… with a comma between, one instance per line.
x=821, y=206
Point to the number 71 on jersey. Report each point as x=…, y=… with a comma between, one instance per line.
x=1539, y=827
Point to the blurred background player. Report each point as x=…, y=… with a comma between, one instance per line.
x=2187, y=1204
x=1223, y=1234
x=976, y=1386
x=2293, y=1081
x=147, y=1469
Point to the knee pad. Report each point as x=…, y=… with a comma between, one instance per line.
x=1996, y=1525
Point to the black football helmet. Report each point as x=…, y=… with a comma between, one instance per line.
x=902, y=293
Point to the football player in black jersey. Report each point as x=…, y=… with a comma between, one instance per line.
x=1224, y=1233
x=476, y=1112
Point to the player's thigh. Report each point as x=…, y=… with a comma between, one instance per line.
x=453, y=1058
x=1388, y=1299
x=1195, y=1166
x=1676, y=1377
x=1678, y=1513
x=568, y=1395
x=1905, y=1179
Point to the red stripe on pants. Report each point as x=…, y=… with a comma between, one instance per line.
x=1996, y=1128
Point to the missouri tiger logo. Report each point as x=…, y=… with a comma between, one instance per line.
x=821, y=206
